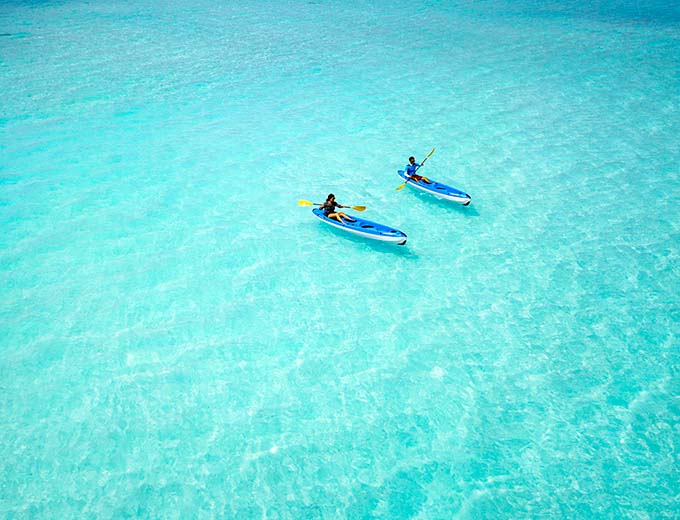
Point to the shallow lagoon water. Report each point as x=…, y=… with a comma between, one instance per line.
x=179, y=339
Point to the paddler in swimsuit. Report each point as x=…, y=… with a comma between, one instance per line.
x=411, y=168
x=329, y=206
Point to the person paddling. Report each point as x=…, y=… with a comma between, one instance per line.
x=412, y=168
x=329, y=206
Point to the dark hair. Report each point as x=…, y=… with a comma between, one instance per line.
x=330, y=196
x=411, y=158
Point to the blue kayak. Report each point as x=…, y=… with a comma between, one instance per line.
x=364, y=228
x=438, y=189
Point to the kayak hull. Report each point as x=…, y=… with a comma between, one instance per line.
x=438, y=189
x=365, y=228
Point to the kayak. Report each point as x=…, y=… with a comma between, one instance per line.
x=438, y=190
x=364, y=228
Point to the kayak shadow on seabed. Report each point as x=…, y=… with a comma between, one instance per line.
x=426, y=198
x=374, y=245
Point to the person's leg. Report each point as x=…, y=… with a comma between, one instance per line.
x=339, y=216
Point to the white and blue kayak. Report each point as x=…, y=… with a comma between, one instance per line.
x=364, y=228
x=438, y=189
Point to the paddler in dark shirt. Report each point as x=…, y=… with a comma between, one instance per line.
x=329, y=206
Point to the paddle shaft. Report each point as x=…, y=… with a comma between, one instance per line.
x=308, y=203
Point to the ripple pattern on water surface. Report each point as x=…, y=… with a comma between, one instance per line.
x=178, y=338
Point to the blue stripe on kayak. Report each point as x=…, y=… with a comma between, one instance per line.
x=364, y=226
x=436, y=187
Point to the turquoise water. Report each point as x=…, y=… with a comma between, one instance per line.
x=179, y=339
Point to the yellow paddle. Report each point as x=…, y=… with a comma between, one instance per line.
x=302, y=202
x=401, y=186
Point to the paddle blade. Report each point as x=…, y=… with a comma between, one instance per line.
x=359, y=208
x=302, y=202
x=429, y=154
x=400, y=187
